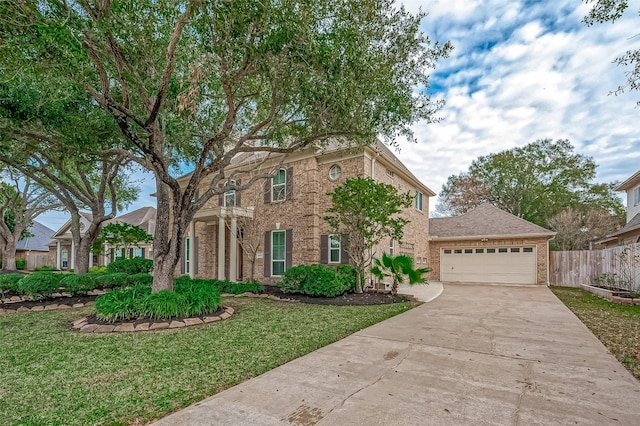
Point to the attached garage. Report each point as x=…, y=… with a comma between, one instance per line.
x=488, y=245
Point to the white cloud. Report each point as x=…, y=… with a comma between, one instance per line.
x=536, y=72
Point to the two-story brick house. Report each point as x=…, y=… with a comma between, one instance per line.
x=278, y=223
x=630, y=232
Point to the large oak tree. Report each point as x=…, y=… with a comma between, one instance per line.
x=198, y=82
x=535, y=182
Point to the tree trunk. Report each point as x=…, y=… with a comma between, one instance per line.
x=167, y=240
x=9, y=255
x=81, y=261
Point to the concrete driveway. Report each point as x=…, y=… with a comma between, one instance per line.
x=476, y=355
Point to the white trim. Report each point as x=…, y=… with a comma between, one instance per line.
x=549, y=235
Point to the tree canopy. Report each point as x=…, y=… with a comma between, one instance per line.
x=535, y=182
x=610, y=11
x=198, y=82
x=367, y=211
x=120, y=235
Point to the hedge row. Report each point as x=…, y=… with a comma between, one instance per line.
x=318, y=280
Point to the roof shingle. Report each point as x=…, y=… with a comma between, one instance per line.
x=484, y=220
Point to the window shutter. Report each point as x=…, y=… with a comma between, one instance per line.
x=221, y=200
x=324, y=249
x=289, y=248
x=130, y=253
x=344, y=246
x=267, y=253
x=194, y=258
x=289, y=184
x=238, y=194
x=182, y=255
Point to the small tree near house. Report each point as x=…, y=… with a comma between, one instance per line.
x=367, y=211
x=120, y=236
x=397, y=268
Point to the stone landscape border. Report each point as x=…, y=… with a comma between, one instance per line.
x=84, y=326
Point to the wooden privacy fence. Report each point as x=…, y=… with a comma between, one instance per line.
x=573, y=268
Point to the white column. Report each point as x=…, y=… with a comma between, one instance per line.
x=106, y=255
x=192, y=241
x=233, y=250
x=90, y=259
x=58, y=255
x=221, y=253
x=73, y=256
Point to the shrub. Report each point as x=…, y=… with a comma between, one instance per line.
x=9, y=284
x=130, y=266
x=40, y=284
x=21, y=264
x=98, y=269
x=187, y=299
x=349, y=275
x=78, y=285
x=183, y=279
x=239, y=288
x=45, y=268
x=115, y=280
x=314, y=280
x=141, y=278
x=121, y=304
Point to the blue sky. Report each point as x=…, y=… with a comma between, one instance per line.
x=520, y=71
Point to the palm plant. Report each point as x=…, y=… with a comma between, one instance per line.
x=396, y=268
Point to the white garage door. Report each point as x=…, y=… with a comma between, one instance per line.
x=489, y=265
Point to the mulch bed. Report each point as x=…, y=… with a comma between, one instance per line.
x=66, y=300
x=349, y=299
x=93, y=319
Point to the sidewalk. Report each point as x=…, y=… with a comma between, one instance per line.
x=476, y=355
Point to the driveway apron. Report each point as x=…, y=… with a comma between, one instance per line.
x=476, y=355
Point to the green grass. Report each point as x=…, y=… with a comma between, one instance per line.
x=51, y=375
x=617, y=327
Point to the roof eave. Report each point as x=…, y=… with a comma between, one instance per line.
x=548, y=235
x=629, y=183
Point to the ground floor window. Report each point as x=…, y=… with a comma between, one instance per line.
x=65, y=258
x=334, y=248
x=278, y=253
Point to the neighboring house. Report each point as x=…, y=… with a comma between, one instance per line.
x=278, y=223
x=35, y=249
x=62, y=248
x=489, y=245
x=630, y=232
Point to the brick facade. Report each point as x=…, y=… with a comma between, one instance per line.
x=302, y=213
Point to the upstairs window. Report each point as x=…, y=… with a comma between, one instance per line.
x=230, y=196
x=279, y=186
x=636, y=196
x=419, y=201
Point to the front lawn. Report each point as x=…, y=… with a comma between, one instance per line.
x=51, y=375
x=617, y=327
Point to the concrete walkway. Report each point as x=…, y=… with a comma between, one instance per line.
x=476, y=355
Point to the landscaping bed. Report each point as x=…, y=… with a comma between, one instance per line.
x=347, y=299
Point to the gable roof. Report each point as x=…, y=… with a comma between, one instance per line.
x=630, y=183
x=632, y=225
x=40, y=239
x=67, y=225
x=144, y=217
x=485, y=221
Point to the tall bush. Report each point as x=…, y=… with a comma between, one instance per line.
x=314, y=280
x=40, y=284
x=132, y=266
